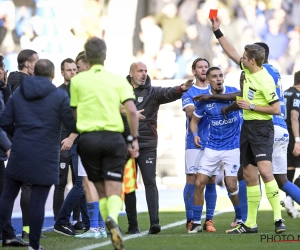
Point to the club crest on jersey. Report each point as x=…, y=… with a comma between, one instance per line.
x=210, y=106
x=140, y=99
x=251, y=94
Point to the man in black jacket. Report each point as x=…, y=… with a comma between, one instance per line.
x=26, y=61
x=148, y=100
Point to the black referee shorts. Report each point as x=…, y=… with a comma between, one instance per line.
x=256, y=141
x=103, y=155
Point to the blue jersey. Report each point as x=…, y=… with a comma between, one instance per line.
x=187, y=100
x=224, y=134
x=277, y=119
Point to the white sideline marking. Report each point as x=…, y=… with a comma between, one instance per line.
x=175, y=224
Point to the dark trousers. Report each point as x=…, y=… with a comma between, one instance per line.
x=75, y=195
x=147, y=165
x=8, y=231
x=39, y=196
x=25, y=202
x=59, y=191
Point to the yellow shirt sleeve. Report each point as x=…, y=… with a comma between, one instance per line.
x=126, y=91
x=73, y=94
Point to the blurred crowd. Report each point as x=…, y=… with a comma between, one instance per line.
x=49, y=27
x=168, y=34
x=175, y=32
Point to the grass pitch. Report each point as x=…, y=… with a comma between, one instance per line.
x=176, y=237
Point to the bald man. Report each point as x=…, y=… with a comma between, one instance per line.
x=148, y=100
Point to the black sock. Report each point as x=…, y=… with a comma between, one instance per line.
x=290, y=175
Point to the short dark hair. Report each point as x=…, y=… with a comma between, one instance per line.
x=80, y=54
x=23, y=56
x=257, y=52
x=67, y=60
x=211, y=69
x=1, y=61
x=44, y=67
x=297, y=78
x=95, y=51
x=198, y=60
x=81, y=57
x=266, y=47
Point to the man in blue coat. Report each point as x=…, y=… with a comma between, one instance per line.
x=33, y=117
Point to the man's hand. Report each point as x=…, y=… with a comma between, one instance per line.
x=67, y=144
x=133, y=149
x=8, y=153
x=187, y=85
x=215, y=23
x=243, y=104
x=224, y=111
x=296, y=151
x=140, y=116
x=196, y=141
x=202, y=98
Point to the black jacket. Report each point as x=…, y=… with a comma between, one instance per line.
x=14, y=79
x=35, y=111
x=150, y=98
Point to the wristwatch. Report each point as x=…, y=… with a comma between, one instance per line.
x=252, y=106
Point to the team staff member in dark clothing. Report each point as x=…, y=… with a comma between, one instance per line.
x=8, y=235
x=292, y=118
x=26, y=62
x=33, y=116
x=148, y=100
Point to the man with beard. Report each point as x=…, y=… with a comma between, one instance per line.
x=26, y=62
x=193, y=153
x=148, y=100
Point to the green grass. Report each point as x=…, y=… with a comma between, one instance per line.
x=177, y=238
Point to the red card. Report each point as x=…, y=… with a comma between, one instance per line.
x=213, y=13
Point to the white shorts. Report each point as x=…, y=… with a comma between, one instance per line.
x=81, y=169
x=210, y=162
x=279, y=156
x=192, y=158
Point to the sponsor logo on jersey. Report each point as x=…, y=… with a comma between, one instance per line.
x=288, y=93
x=223, y=122
x=251, y=94
x=186, y=100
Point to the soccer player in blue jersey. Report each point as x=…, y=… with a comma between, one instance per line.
x=192, y=153
x=222, y=145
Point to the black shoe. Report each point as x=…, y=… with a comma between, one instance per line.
x=279, y=226
x=243, y=229
x=154, y=229
x=78, y=225
x=15, y=242
x=66, y=230
x=115, y=234
x=133, y=230
x=26, y=235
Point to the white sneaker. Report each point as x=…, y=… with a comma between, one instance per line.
x=90, y=234
x=287, y=203
x=40, y=248
x=103, y=232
